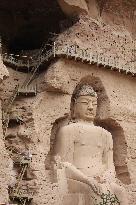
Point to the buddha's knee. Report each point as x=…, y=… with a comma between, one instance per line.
x=121, y=193
x=77, y=187
x=78, y=193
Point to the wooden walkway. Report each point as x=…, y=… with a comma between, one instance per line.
x=72, y=52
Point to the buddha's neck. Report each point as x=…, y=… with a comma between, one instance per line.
x=84, y=121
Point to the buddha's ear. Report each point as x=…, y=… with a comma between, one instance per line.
x=72, y=113
x=72, y=108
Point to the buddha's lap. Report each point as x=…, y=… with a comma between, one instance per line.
x=77, y=187
x=80, y=187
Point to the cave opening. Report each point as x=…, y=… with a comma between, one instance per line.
x=28, y=25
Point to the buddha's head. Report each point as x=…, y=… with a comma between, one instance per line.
x=85, y=104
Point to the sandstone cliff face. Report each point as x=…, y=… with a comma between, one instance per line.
x=3, y=73
x=121, y=12
x=104, y=26
x=3, y=70
x=72, y=7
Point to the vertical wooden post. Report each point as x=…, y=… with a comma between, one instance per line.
x=28, y=65
x=75, y=52
x=82, y=55
x=67, y=53
x=54, y=49
x=134, y=53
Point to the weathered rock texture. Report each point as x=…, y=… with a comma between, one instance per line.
x=3, y=71
x=34, y=119
x=6, y=163
x=111, y=11
x=73, y=7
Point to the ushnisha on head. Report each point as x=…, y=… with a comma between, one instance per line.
x=85, y=104
x=86, y=90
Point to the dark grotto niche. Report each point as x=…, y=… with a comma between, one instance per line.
x=27, y=24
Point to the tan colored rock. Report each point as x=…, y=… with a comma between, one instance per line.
x=50, y=108
x=72, y=7
x=3, y=70
x=85, y=152
x=110, y=12
x=6, y=163
x=47, y=107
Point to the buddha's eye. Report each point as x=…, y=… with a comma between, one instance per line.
x=95, y=103
x=84, y=102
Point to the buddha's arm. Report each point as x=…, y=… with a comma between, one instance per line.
x=64, y=145
x=64, y=149
x=108, y=157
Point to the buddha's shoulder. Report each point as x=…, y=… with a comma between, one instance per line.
x=103, y=131
x=79, y=125
x=69, y=126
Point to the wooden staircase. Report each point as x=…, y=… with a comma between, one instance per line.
x=7, y=109
x=16, y=193
x=79, y=54
x=24, y=89
x=29, y=90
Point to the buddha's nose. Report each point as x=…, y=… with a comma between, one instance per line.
x=90, y=106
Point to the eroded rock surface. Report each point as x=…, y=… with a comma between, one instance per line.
x=47, y=130
x=111, y=11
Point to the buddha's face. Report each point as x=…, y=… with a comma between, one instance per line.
x=85, y=108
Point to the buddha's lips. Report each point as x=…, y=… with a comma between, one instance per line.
x=90, y=113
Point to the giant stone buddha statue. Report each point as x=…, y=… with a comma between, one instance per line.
x=85, y=151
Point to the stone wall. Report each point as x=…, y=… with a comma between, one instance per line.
x=106, y=32
x=51, y=106
x=116, y=107
x=5, y=161
x=111, y=12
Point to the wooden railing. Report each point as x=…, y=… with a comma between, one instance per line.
x=66, y=51
x=6, y=110
x=28, y=89
x=16, y=192
x=78, y=53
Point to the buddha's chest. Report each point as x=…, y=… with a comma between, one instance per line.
x=92, y=138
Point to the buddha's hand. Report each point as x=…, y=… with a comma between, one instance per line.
x=57, y=161
x=100, y=179
x=95, y=186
